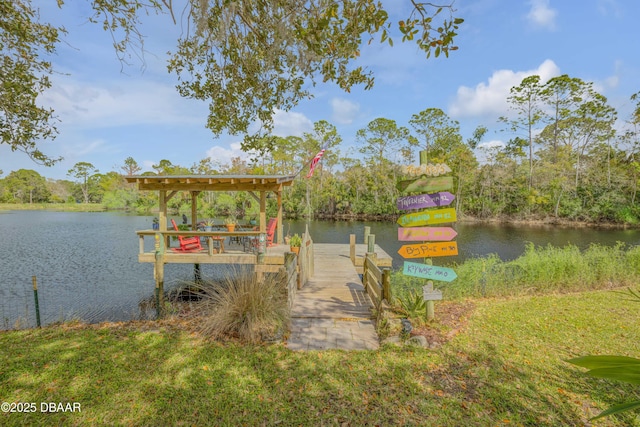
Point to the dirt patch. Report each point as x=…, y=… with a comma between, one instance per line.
x=450, y=319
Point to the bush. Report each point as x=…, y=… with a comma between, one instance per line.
x=243, y=307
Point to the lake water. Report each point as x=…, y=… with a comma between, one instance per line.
x=86, y=263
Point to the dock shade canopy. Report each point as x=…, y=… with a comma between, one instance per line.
x=168, y=185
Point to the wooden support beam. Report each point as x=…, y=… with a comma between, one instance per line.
x=170, y=195
x=263, y=212
x=280, y=238
x=194, y=209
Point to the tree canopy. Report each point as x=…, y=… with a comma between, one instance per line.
x=247, y=59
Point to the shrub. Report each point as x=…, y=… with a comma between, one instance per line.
x=244, y=307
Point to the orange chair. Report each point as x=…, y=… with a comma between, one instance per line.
x=187, y=244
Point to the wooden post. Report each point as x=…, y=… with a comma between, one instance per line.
x=386, y=284
x=263, y=212
x=194, y=209
x=279, y=234
x=364, y=272
x=352, y=248
x=371, y=243
x=430, y=306
x=35, y=297
x=424, y=157
x=162, y=214
x=367, y=231
x=430, y=309
x=158, y=273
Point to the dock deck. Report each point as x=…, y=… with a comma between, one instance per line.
x=332, y=310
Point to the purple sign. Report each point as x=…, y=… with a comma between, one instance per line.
x=425, y=201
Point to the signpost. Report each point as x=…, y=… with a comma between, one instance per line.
x=436, y=241
x=426, y=271
x=426, y=185
x=436, y=216
x=427, y=250
x=420, y=234
x=425, y=201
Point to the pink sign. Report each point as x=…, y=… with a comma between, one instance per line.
x=420, y=234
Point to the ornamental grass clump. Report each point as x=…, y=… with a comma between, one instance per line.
x=243, y=307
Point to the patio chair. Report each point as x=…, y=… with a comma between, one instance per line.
x=187, y=244
x=252, y=242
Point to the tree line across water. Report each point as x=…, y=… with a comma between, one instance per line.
x=574, y=163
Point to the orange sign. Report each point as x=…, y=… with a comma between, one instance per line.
x=429, y=250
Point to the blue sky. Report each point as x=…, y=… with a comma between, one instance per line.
x=109, y=112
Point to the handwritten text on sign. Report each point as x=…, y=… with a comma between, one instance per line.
x=426, y=271
x=436, y=216
x=429, y=250
x=419, y=234
x=425, y=201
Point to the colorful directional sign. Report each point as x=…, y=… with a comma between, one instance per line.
x=436, y=216
x=420, y=234
x=425, y=201
x=426, y=271
x=429, y=250
x=426, y=185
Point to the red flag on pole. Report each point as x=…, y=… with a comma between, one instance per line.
x=314, y=162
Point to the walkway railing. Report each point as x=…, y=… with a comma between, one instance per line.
x=376, y=281
x=298, y=269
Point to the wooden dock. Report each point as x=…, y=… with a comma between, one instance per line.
x=333, y=310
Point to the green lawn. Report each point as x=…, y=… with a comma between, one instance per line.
x=506, y=367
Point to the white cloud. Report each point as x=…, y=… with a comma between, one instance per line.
x=490, y=99
x=100, y=105
x=223, y=156
x=541, y=15
x=344, y=111
x=287, y=123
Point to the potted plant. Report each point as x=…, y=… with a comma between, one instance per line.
x=208, y=225
x=295, y=243
x=230, y=222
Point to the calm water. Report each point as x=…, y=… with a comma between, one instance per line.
x=86, y=263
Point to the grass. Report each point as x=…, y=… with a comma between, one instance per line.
x=540, y=270
x=243, y=307
x=63, y=207
x=505, y=368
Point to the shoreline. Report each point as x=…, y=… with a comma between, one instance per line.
x=502, y=220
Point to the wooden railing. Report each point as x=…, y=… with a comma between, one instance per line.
x=290, y=272
x=377, y=282
x=210, y=235
x=305, y=259
x=298, y=269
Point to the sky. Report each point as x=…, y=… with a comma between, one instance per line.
x=109, y=111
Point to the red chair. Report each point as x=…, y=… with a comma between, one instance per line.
x=271, y=231
x=187, y=244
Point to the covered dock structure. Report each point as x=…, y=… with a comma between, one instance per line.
x=258, y=186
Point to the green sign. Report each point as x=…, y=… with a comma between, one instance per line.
x=426, y=185
x=436, y=216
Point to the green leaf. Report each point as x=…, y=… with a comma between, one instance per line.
x=618, y=409
x=629, y=374
x=597, y=362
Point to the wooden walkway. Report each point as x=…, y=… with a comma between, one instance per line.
x=332, y=310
